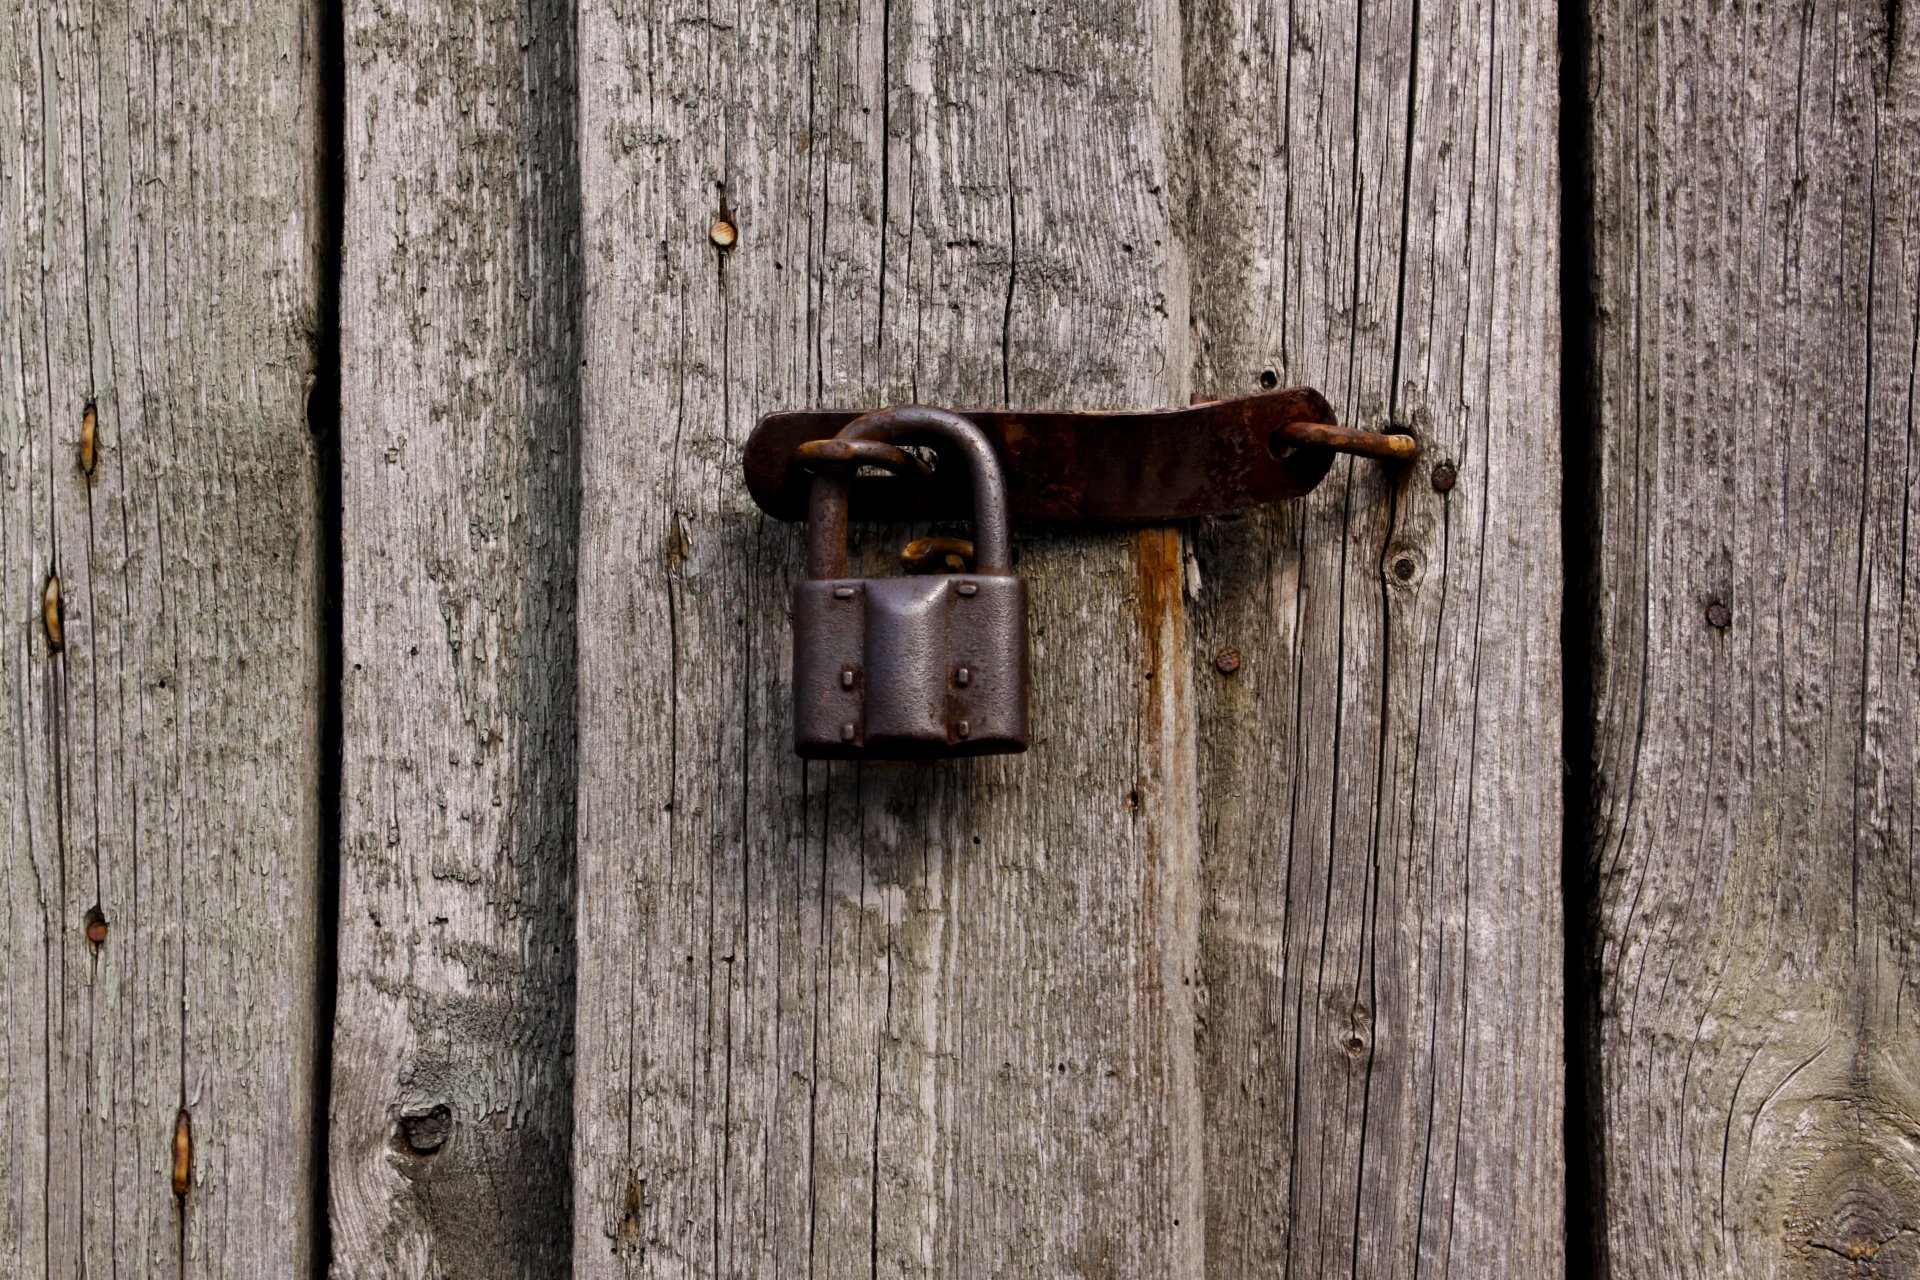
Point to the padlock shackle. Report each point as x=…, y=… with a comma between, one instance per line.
x=827, y=504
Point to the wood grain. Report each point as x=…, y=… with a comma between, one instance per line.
x=453, y=1044
x=1374, y=214
x=1756, y=631
x=881, y=1018
x=159, y=758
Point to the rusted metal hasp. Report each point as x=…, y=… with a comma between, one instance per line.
x=1076, y=465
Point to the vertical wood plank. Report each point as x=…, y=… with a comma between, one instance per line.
x=1375, y=215
x=453, y=1044
x=159, y=762
x=897, y=1019
x=1756, y=633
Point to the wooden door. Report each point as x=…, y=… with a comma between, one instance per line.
x=162, y=343
x=1237, y=974
x=1750, y=596
x=404, y=869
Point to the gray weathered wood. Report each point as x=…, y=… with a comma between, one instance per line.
x=453, y=1038
x=927, y=1020
x=160, y=775
x=1375, y=214
x=1757, y=214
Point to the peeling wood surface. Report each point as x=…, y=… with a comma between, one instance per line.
x=453, y=1040
x=840, y=1018
x=159, y=765
x=1380, y=797
x=1756, y=638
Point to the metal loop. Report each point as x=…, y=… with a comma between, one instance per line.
x=937, y=555
x=959, y=441
x=815, y=454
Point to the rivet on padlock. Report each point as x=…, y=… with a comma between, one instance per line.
x=918, y=667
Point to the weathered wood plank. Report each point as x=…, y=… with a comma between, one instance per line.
x=913, y=1020
x=1755, y=627
x=1375, y=215
x=158, y=312
x=453, y=1044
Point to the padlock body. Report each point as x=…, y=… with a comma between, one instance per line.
x=910, y=668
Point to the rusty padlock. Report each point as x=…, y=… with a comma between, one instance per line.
x=921, y=667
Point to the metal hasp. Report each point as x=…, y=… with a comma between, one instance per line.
x=924, y=667
x=1074, y=466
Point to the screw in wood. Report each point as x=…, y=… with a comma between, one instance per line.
x=1718, y=616
x=1444, y=477
x=1227, y=661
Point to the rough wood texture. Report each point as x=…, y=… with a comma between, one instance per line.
x=842, y=1019
x=159, y=764
x=1756, y=630
x=1375, y=215
x=454, y=1040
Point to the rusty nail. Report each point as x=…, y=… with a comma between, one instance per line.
x=1227, y=661
x=1444, y=476
x=182, y=1154
x=96, y=926
x=51, y=616
x=963, y=728
x=722, y=234
x=1718, y=617
x=89, y=429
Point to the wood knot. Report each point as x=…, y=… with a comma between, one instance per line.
x=423, y=1132
x=1857, y=1215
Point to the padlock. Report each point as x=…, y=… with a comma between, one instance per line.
x=921, y=667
